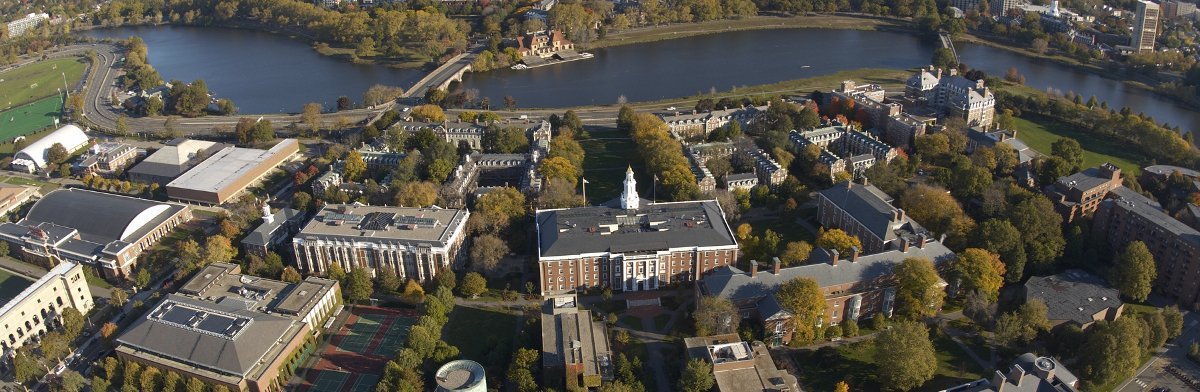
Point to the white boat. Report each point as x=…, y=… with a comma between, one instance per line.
x=805, y=66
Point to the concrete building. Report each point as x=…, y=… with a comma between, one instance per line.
x=34, y=157
x=1127, y=216
x=855, y=286
x=276, y=230
x=954, y=95
x=224, y=328
x=575, y=350
x=481, y=173
x=864, y=211
x=14, y=196
x=177, y=157
x=105, y=230
x=1029, y=373
x=1145, y=26
x=1174, y=9
x=1080, y=194
x=38, y=308
x=461, y=376
x=999, y=8
x=18, y=27
x=414, y=243
x=1075, y=297
x=696, y=124
x=228, y=172
x=740, y=366
x=631, y=244
x=107, y=158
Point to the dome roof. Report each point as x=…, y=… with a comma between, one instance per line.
x=100, y=214
x=70, y=136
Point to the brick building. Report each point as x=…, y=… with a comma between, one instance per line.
x=631, y=244
x=1128, y=216
x=1080, y=194
x=864, y=211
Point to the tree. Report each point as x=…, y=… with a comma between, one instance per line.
x=290, y=275
x=1069, y=150
x=939, y=212
x=1000, y=237
x=1111, y=352
x=802, y=297
x=944, y=58
x=310, y=116
x=841, y=386
x=498, y=208
x=194, y=385
x=981, y=271
x=486, y=252
x=336, y=272
x=417, y=194
x=1024, y=324
x=1174, y=321
x=918, y=293
x=25, y=367
x=108, y=332
x=388, y=281
x=559, y=168
x=430, y=113
x=907, y=350
x=836, y=239
x=1135, y=271
x=72, y=322
x=446, y=278
x=379, y=94
x=57, y=154
x=697, y=376
x=54, y=346
x=359, y=288
x=118, y=296
x=154, y=106
x=354, y=166
x=472, y=285
x=100, y=384
x=1039, y=45
x=218, y=249
x=510, y=102
x=226, y=107
x=1041, y=230
x=715, y=316
x=795, y=253
x=413, y=292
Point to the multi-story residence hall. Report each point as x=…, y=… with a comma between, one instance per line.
x=415, y=243
x=631, y=244
x=844, y=149
x=864, y=211
x=1080, y=194
x=1127, y=216
x=855, y=286
x=239, y=331
x=101, y=229
x=955, y=95
x=695, y=124
x=38, y=308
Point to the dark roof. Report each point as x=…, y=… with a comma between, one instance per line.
x=99, y=214
x=867, y=204
x=262, y=234
x=734, y=284
x=1073, y=295
x=653, y=227
x=1139, y=204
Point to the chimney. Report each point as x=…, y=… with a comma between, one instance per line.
x=753, y=268
x=854, y=254
x=833, y=257
x=1016, y=373
x=942, y=239
x=903, y=245
x=998, y=380
x=921, y=240
x=776, y=260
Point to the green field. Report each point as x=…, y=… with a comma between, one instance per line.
x=1039, y=132
x=483, y=335
x=11, y=285
x=38, y=80
x=609, y=153
x=855, y=364
x=29, y=118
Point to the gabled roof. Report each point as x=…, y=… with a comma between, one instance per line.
x=1073, y=295
x=867, y=204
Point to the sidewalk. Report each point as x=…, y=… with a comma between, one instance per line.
x=25, y=269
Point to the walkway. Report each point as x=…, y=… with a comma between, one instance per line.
x=948, y=44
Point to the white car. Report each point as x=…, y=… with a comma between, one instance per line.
x=671, y=108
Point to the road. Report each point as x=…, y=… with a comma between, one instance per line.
x=1154, y=375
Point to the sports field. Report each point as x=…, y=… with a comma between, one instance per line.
x=38, y=80
x=29, y=118
x=358, y=350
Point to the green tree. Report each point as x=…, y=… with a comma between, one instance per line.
x=473, y=284
x=981, y=271
x=486, y=252
x=1174, y=321
x=1041, y=230
x=939, y=212
x=387, y=280
x=803, y=298
x=336, y=272
x=1000, y=237
x=54, y=346
x=446, y=278
x=1135, y=271
x=72, y=322
x=100, y=384
x=1069, y=150
x=290, y=275
x=25, y=367
x=359, y=287
x=194, y=385
x=354, y=166
x=118, y=296
x=944, y=58
x=909, y=355
x=918, y=293
x=836, y=239
x=715, y=316
x=1024, y=324
x=57, y=154
x=697, y=377
x=218, y=249
x=1111, y=352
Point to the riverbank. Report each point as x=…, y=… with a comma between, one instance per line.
x=760, y=22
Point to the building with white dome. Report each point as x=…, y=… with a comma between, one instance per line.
x=34, y=157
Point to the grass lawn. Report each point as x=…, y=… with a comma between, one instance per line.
x=889, y=79
x=11, y=284
x=482, y=335
x=1039, y=132
x=680, y=30
x=855, y=364
x=786, y=228
x=43, y=187
x=38, y=80
x=609, y=153
x=29, y=118
x=660, y=321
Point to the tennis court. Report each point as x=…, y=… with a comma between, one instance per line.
x=329, y=381
x=359, y=336
x=365, y=383
x=395, y=336
x=27, y=119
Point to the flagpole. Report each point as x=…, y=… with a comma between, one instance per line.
x=654, y=191
x=585, y=189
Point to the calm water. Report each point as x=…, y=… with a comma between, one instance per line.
x=1046, y=75
x=261, y=72
x=265, y=73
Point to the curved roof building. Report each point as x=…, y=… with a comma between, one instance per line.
x=93, y=227
x=33, y=157
x=461, y=376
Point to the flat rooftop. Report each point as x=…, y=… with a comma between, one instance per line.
x=430, y=226
x=227, y=166
x=653, y=227
x=221, y=281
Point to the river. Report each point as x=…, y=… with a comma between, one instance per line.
x=267, y=73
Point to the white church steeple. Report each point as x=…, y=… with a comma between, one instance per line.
x=629, y=196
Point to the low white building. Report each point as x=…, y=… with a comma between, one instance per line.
x=18, y=27
x=35, y=156
x=39, y=307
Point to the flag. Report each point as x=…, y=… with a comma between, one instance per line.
x=585, y=181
